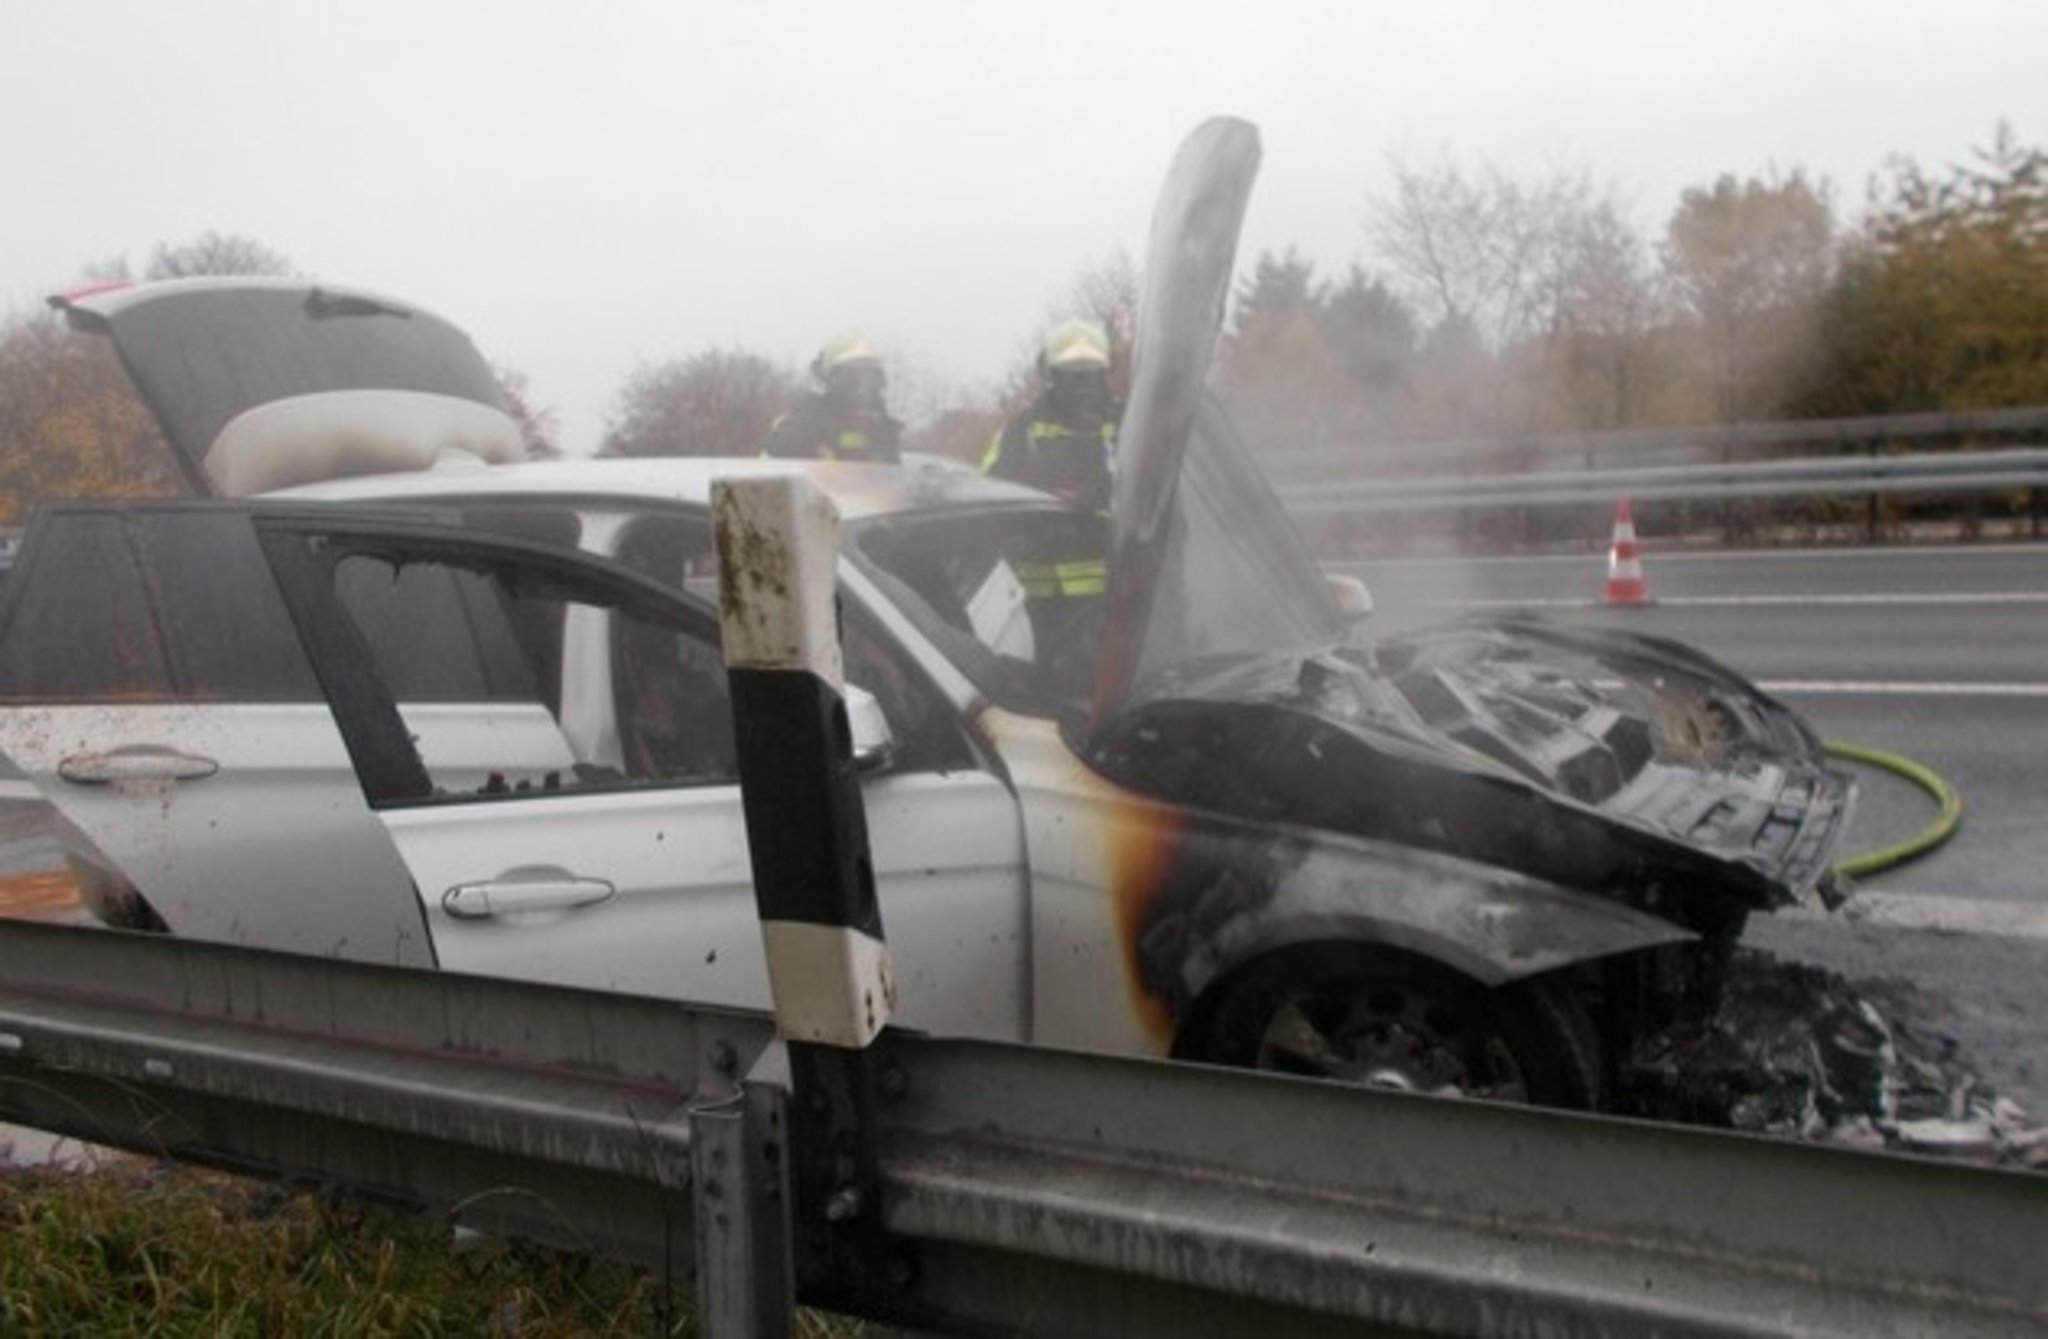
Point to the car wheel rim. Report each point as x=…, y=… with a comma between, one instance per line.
x=1397, y=1041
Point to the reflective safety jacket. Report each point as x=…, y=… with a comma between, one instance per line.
x=1073, y=460
x=1077, y=576
x=814, y=429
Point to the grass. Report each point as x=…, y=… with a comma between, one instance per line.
x=141, y=1249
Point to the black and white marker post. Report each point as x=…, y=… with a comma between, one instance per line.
x=828, y=965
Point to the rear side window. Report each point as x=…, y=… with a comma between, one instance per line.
x=135, y=605
x=441, y=634
x=139, y=606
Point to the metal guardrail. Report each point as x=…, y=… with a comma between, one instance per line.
x=1250, y=1204
x=1594, y=447
x=1949, y=472
x=553, y=1114
x=1021, y=1190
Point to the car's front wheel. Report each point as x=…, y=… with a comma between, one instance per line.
x=1386, y=1019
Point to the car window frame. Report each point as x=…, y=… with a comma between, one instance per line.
x=305, y=550
x=931, y=724
x=980, y=665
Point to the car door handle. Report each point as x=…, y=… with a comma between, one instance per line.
x=140, y=762
x=510, y=894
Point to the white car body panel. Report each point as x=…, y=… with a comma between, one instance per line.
x=1085, y=839
x=680, y=921
x=283, y=798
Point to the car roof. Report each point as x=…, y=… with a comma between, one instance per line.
x=859, y=491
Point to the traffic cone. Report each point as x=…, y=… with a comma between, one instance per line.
x=1625, y=581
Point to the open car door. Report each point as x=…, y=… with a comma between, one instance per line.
x=584, y=825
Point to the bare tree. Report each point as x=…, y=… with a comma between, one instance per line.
x=1466, y=243
x=721, y=402
x=1510, y=275
x=537, y=423
x=216, y=253
x=1107, y=292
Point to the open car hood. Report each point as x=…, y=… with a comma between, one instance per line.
x=1585, y=756
x=260, y=384
x=1204, y=560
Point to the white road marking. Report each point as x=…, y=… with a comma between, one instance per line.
x=18, y=789
x=1945, y=915
x=1877, y=688
x=1899, y=597
x=1851, y=553
x=2003, y=597
x=1652, y=553
x=1905, y=596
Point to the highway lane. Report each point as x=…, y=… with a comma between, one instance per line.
x=1922, y=623
x=1937, y=570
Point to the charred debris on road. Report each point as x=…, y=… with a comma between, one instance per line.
x=1802, y=1052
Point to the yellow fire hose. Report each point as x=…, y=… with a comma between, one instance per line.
x=1948, y=816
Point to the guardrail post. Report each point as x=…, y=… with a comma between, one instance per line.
x=739, y=1178
x=828, y=963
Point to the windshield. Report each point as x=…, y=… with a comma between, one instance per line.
x=1016, y=595
x=1237, y=578
x=1013, y=594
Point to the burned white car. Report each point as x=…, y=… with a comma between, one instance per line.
x=460, y=711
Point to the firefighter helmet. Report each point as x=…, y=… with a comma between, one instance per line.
x=1076, y=345
x=848, y=352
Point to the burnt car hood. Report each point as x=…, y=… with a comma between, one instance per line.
x=1228, y=678
x=263, y=383
x=1596, y=758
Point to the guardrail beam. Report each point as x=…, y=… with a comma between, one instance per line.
x=1850, y=476
x=1155, y=1199
x=553, y=1113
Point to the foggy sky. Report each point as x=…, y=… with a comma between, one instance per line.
x=587, y=188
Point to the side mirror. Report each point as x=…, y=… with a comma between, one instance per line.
x=1353, y=596
x=874, y=743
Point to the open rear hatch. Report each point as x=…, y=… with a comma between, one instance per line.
x=262, y=383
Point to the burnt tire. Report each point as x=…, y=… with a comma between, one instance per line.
x=1386, y=1019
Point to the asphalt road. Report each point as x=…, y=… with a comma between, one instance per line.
x=1936, y=654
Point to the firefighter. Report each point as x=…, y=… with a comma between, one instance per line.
x=1065, y=442
x=841, y=414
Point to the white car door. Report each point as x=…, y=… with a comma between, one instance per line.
x=153, y=689
x=621, y=864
